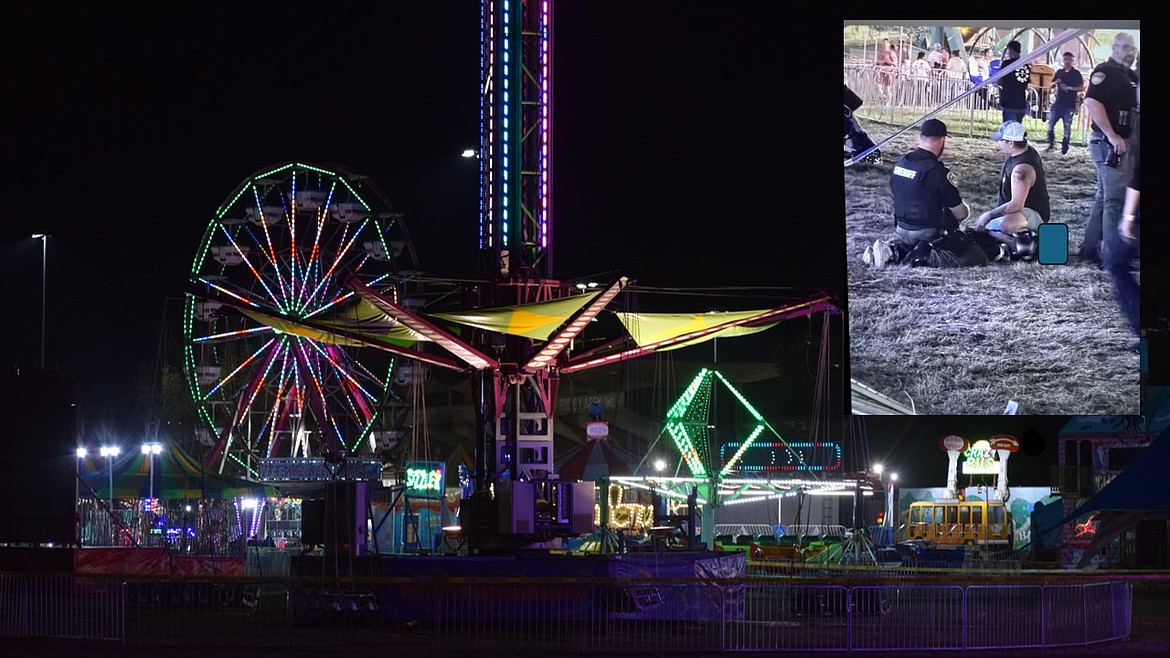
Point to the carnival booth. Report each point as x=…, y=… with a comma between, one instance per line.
x=163, y=498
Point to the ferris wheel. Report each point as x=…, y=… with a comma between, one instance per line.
x=275, y=259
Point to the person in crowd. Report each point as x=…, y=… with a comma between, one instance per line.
x=1111, y=103
x=978, y=69
x=927, y=210
x=1013, y=87
x=921, y=69
x=937, y=58
x=956, y=67
x=1067, y=83
x=887, y=67
x=1023, y=202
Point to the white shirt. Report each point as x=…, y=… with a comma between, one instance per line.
x=955, y=68
x=977, y=67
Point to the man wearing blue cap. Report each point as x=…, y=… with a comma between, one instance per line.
x=927, y=210
x=1023, y=194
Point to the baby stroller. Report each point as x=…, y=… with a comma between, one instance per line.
x=856, y=141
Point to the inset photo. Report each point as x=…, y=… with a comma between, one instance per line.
x=992, y=213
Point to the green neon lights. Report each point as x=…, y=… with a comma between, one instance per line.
x=424, y=479
x=687, y=422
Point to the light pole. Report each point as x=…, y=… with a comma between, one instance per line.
x=109, y=452
x=44, y=238
x=81, y=454
x=150, y=450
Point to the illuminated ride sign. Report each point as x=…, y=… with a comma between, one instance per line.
x=979, y=459
x=772, y=456
x=424, y=479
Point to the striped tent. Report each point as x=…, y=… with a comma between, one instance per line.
x=593, y=459
x=176, y=476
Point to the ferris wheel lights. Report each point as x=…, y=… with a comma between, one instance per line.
x=82, y=453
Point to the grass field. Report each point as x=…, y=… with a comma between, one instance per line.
x=968, y=340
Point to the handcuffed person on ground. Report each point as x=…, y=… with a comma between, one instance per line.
x=1023, y=195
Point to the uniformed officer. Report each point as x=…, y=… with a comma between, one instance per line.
x=927, y=210
x=1111, y=103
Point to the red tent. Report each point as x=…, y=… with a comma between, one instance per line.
x=595, y=458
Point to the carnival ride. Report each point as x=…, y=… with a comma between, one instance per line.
x=305, y=303
x=268, y=283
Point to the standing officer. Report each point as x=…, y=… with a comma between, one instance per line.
x=1111, y=102
x=927, y=210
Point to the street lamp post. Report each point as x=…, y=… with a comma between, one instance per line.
x=109, y=452
x=44, y=238
x=81, y=454
x=150, y=450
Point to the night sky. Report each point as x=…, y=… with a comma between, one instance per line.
x=688, y=151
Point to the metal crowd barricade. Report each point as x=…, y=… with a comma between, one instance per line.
x=592, y=616
x=62, y=607
x=977, y=114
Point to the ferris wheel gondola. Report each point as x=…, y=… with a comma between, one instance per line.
x=269, y=374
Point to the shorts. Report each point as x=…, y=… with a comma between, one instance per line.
x=1032, y=216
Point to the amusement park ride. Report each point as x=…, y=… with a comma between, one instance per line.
x=308, y=318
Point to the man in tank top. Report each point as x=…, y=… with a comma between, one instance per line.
x=1023, y=194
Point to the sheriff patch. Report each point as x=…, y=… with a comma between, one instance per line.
x=1097, y=78
x=905, y=173
x=952, y=178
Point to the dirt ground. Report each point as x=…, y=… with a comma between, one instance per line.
x=1150, y=637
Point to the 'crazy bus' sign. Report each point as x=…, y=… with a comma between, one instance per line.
x=979, y=459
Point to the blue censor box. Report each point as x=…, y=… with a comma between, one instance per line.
x=1053, y=239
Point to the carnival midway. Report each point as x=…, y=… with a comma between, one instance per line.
x=313, y=507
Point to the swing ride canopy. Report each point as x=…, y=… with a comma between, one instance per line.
x=176, y=476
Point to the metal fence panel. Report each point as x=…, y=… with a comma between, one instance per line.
x=659, y=616
x=581, y=616
x=206, y=613
x=1004, y=616
x=61, y=607
x=906, y=616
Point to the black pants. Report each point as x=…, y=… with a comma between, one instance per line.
x=947, y=248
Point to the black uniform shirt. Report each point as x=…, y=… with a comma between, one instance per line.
x=1114, y=86
x=923, y=190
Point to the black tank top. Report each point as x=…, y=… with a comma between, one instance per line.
x=1038, y=195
